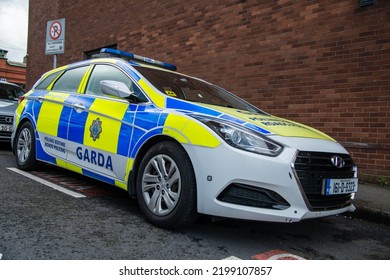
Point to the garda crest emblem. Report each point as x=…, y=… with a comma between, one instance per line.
x=96, y=129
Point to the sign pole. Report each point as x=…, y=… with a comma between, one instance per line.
x=55, y=38
x=54, y=61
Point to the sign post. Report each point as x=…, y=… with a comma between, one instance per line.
x=55, y=38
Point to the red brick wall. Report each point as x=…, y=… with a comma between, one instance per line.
x=323, y=63
x=12, y=72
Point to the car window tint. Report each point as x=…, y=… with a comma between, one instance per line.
x=108, y=72
x=70, y=80
x=47, y=81
x=105, y=72
x=191, y=89
x=10, y=92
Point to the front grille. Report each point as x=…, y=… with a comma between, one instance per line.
x=312, y=167
x=6, y=119
x=4, y=134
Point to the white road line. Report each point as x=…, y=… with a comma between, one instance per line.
x=47, y=183
x=231, y=258
x=286, y=255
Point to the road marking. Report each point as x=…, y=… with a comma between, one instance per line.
x=231, y=258
x=276, y=255
x=1, y=256
x=47, y=183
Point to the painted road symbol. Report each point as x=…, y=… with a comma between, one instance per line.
x=55, y=30
x=276, y=255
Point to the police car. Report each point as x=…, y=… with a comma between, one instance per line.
x=180, y=145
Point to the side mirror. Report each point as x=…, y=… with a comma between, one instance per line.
x=115, y=88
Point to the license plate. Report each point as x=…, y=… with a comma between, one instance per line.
x=4, y=127
x=339, y=186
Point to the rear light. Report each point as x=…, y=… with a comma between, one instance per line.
x=20, y=99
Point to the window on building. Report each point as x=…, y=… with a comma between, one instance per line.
x=92, y=53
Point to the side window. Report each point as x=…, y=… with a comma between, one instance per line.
x=71, y=79
x=108, y=72
x=47, y=81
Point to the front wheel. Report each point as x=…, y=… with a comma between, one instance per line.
x=25, y=148
x=166, y=186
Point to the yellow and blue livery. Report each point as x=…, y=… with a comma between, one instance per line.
x=181, y=145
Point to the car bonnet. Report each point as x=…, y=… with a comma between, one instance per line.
x=262, y=123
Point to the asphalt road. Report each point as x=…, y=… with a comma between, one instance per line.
x=38, y=222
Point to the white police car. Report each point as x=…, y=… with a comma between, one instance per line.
x=181, y=145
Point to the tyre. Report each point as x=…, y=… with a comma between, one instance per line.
x=25, y=150
x=166, y=186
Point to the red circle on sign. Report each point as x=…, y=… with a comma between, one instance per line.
x=55, y=30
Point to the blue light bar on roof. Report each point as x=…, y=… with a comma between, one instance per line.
x=139, y=58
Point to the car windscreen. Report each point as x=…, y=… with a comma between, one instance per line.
x=195, y=90
x=10, y=92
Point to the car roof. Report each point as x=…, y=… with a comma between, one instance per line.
x=10, y=84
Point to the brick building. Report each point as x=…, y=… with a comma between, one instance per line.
x=323, y=63
x=10, y=71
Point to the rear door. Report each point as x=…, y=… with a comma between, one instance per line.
x=53, y=108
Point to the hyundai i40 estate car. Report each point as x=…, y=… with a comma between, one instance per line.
x=180, y=145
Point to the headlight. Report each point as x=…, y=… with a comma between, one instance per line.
x=241, y=137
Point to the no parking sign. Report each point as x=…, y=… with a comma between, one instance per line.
x=55, y=36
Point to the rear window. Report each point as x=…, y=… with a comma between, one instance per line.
x=47, y=81
x=70, y=80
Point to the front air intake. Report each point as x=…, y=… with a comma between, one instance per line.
x=253, y=196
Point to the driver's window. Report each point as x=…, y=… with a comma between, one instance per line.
x=106, y=72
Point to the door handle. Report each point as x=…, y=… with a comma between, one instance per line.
x=79, y=107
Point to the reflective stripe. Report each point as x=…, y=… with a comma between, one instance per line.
x=61, y=163
x=199, y=135
x=20, y=109
x=84, y=80
x=186, y=106
x=158, y=99
x=173, y=127
x=48, y=119
x=78, y=118
x=120, y=185
x=110, y=116
x=74, y=168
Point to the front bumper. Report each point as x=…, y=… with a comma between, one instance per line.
x=274, y=178
x=5, y=120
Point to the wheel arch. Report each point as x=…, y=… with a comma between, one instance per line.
x=141, y=153
x=20, y=124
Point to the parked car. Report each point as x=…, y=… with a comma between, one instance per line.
x=181, y=145
x=9, y=94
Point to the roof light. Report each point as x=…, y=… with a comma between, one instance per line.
x=124, y=54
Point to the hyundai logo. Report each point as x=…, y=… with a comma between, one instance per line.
x=9, y=119
x=338, y=161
